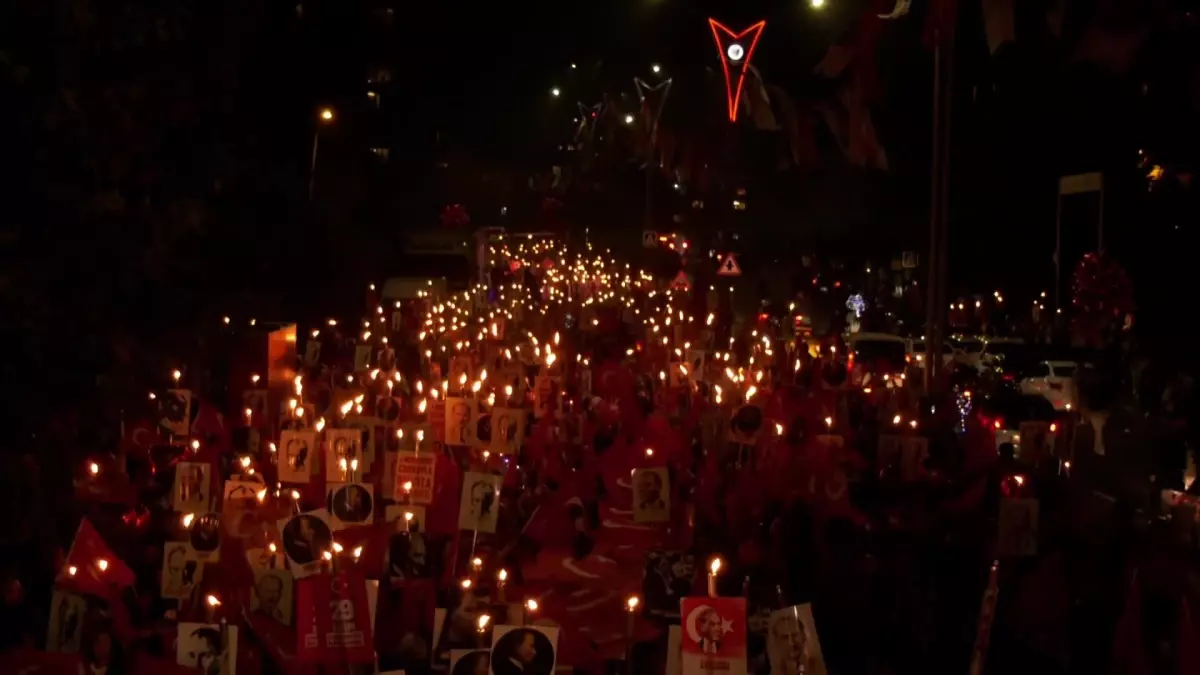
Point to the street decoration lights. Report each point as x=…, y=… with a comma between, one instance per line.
x=736, y=50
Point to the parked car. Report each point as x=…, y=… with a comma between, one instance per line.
x=916, y=353
x=1054, y=381
x=1005, y=411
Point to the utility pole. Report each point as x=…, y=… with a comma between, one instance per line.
x=939, y=211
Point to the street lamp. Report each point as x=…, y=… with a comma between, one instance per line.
x=555, y=92
x=325, y=116
x=817, y=4
x=656, y=69
x=628, y=119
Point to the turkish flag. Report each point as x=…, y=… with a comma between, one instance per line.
x=139, y=438
x=98, y=571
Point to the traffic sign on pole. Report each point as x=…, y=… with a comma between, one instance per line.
x=681, y=282
x=729, y=267
x=649, y=238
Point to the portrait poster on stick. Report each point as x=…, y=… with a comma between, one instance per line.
x=192, y=484
x=181, y=570
x=343, y=447
x=209, y=648
x=469, y=661
x=524, y=650
x=547, y=397
x=651, y=495
x=305, y=538
x=351, y=504
x=65, y=634
x=460, y=421
x=175, y=412
x=205, y=537
x=744, y=427
x=714, y=635
x=297, y=453
x=273, y=595
x=479, y=508
x=362, y=358
x=508, y=430
x=792, y=642
x=415, y=471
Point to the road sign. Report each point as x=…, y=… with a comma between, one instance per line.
x=909, y=260
x=681, y=282
x=729, y=267
x=649, y=239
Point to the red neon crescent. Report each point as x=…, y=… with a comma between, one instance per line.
x=733, y=93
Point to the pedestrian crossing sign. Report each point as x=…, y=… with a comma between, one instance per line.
x=729, y=267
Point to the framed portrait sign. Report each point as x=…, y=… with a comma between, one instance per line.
x=351, y=504
x=714, y=635
x=192, y=488
x=209, y=648
x=479, y=508
x=272, y=596
x=65, y=632
x=333, y=620
x=342, y=448
x=175, y=412
x=205, y=537
x=792, y=642
x=651, y=495
x=298, y=452
x=305, y=538
x=460, y=421
x=524, y=650
x=181, y=570
x=470, y=661
x=745, y=425
x=508, y=430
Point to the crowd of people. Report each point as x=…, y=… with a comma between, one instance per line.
x=544, y=472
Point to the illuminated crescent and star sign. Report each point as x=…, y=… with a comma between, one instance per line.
x=735, y=59
x=690, y=623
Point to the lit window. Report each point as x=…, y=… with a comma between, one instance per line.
x=381, y=153
x=379, y=75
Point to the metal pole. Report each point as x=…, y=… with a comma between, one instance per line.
x=944, y=168
x=1058, y=251
x=312, y=170
x=933, y=352
x=1100, y=224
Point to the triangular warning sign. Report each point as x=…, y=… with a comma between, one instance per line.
x=681, y=282
x=729, y=267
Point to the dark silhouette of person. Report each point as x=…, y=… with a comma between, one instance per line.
x=523, y=652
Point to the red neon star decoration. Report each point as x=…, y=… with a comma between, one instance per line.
x=735, y=53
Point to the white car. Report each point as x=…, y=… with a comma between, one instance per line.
x=996, y=349
x=916, y=353
x=1053, y=380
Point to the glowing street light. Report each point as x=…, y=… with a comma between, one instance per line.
x=817, y=4
x=555, y=92
x=656, y=69
x=629, y=119
x=326, y=114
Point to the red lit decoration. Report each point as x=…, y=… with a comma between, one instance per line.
x=736, y=55
x=455, y=215
x=1102, y=296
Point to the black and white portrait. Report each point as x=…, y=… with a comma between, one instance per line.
x=305, y=538
x=351, y=504
x=792, y=644
x=651, y=495
x=273, y=595
x=65, y=634
x=295, y=456
x=524, y=650
x=205, y=537
x=479, y=508
x=191, y=493
x=175, y=412
x=181, y=570
x=209, y=649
